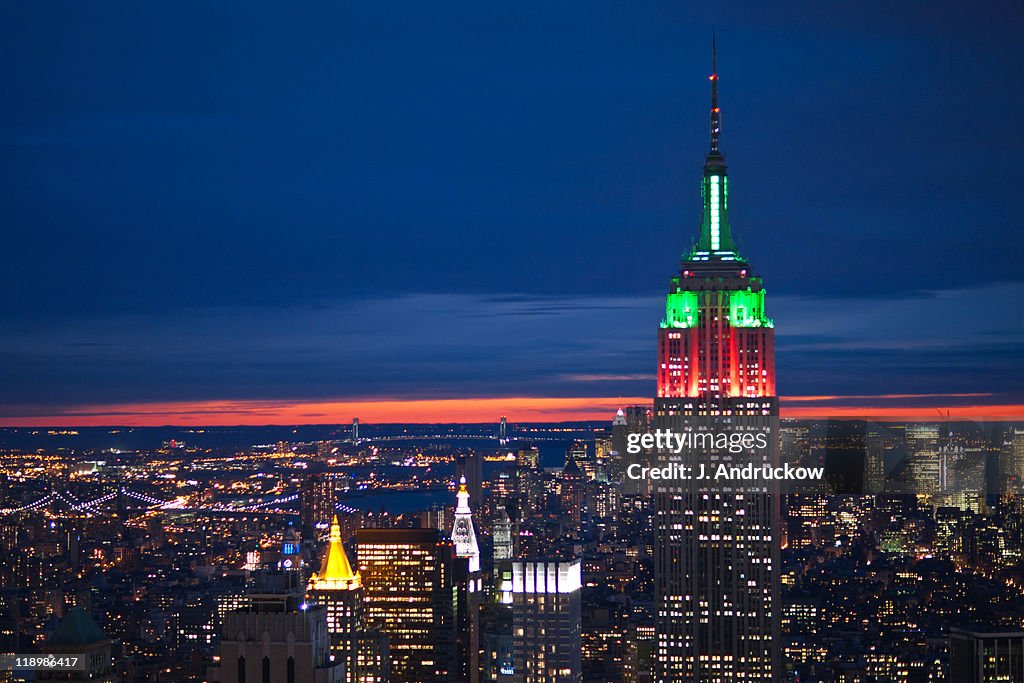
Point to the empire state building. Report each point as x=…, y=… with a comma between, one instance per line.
x=717, y=547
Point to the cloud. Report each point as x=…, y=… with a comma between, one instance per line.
x=621, y=377
x=948, y=345
x=819, y=399
x=972, y=317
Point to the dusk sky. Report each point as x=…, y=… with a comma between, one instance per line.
x=222, y=216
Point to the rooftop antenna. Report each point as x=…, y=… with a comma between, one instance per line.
x=716, y=114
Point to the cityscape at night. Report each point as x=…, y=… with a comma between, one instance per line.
x=343, y=347
x=157, y=549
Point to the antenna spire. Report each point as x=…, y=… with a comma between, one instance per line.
x=716, y=114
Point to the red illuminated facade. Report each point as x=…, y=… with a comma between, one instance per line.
x=715, y=357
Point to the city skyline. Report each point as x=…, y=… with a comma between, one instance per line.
x=380, y=348
x=246, y=283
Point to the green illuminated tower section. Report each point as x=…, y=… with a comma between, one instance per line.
x=716, y=551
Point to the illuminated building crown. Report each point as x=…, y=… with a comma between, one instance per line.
x=463, y=533
x=335, y=571
x=716, y=340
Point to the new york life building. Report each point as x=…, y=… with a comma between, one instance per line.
x=716, y=548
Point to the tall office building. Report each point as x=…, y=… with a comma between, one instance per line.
x=923, y=461
x=716, y=552
x=579, y=453
x=874, y=461
x=464, y=537
x=355, y=430
x=316, y=503
x=572, y=491
x=409, y=593
x=1013, y=463
x=503, y=431
x=528, y=457
x=608, y=462
x=436, y=517
x=984, y=657
x=845, y=457
x=337, y=588
x=503, y=549
x=470, y=466
x=632, y=420
x=499, y=658
x=546, y=613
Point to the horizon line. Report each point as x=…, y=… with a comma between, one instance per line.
x=261, y=413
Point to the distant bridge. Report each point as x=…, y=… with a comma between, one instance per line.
x=56, y=499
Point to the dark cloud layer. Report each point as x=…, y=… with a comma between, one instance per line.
x=446, y=346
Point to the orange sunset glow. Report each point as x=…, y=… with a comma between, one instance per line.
x=468, y=410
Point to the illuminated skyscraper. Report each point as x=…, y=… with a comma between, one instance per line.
x=316, y=503
x=338, y=588
x=466, y=548
x=546, y=613
x=528, y=457
x=409, y=593
x=608, y=461
x=585, y=459
x=716, y=564
x=572, y=490
x=502, y=534
x=1013, y=463
x=923, y=461
x=715, y=344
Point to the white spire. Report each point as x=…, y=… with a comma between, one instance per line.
x=463, y=534
x=463, y=498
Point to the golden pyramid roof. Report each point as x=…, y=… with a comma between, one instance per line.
x=335, y=570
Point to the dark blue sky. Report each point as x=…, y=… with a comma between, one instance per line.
x=448, y=199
